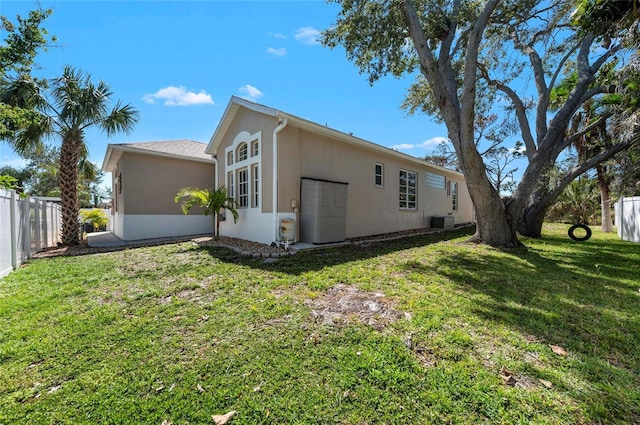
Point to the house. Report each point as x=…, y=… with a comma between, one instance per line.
x=301, y=181
x=145, y=179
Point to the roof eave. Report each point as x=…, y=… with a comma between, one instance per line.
x=109, y=165
x=348, y=138
x=236, y=102
x=227, y=118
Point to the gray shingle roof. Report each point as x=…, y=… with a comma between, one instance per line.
x=180, y=148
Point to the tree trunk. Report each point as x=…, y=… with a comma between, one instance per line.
x=495, y=228
x=495, y=225
x=216, y=228
x=531, y=220
x=605, y=204
x=68, y=181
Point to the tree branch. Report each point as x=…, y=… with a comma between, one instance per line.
x=426, y=57
x=471, y=68
x=559, y=68
x=587, y=165
x=603, y=118
x=557, y=127
x=521, y=112
x=541, y=84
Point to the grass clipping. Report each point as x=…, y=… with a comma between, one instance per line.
x=345, y=304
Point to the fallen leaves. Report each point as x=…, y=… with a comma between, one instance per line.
x=547, y=384
x=558, y=350
x=223, y=419
x=508, y=377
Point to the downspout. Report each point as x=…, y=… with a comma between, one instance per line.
x=274, y=187
x=215, y=174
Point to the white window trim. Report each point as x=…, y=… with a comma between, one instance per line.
x=407, y=207
x=454, y=197
x=255, y=186
x=249, y=139
x=247, y=187
x=376, y=174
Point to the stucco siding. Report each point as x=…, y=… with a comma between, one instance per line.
x=149, y=183
x=246, y=121
x=150, y=226
x=308, y=150
x=370, y=209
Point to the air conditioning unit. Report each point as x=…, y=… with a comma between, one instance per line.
x=442, y=222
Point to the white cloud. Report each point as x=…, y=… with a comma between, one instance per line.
x=403, y=146
x=426, y=145
x=250, y=93
x=433, y=142
x=276, y=35
x=179, y=96
x=277, y=51
x=308, y=35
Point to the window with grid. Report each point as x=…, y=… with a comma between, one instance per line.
x=408, y=189
x=229, y=158
x=379, y=174
x=243, y=188
x=255, y=148
x=255, y=179
x=230, y=186
x=242, y=152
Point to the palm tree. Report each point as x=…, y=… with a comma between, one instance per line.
x=73, y=104
x=212, y=202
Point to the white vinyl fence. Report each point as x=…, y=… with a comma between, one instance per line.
x=26, y=227
x=627, y=211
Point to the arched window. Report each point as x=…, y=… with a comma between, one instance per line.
x=242, y=152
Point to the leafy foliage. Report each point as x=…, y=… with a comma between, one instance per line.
x=578, y=204
x=95, y=216
x=212, y=202
x=471, y=57
x=8, y=182
x=67, y=106
x=21, y=45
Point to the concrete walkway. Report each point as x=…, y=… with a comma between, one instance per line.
x=104, y=239
x=108, y=239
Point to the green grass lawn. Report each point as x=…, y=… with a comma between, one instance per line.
x=178, y=333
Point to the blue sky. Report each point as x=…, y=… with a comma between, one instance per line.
x=178, y=63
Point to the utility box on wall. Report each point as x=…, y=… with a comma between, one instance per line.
x=442, y=222
x=323, y=211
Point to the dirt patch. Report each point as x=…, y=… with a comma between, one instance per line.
x=345, y=304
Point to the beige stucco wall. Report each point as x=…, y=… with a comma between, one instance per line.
x=252, y=122
x=150, y=182
x=370, y=209
x=301, y=153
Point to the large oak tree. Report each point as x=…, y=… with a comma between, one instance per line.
x=466, y=53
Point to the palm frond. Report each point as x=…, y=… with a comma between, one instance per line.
x=122, y=119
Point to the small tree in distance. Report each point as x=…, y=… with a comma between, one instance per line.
x=212, y=202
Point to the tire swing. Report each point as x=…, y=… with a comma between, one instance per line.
x=584, y=227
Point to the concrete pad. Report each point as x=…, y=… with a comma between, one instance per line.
x=104, y=239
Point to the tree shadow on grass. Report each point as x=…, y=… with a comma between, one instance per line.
x=581, y=296
x=322, y=258
x=586, y=302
